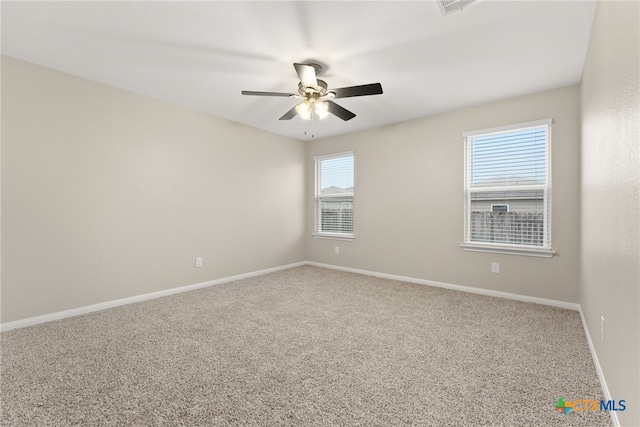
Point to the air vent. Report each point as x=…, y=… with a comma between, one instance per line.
x=449, y=6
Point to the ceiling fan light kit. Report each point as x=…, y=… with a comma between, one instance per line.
x=304, y=109
x=322, y=109
x=316, y=95
x=310, y=106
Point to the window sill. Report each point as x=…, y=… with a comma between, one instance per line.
x=509, y=250
x=333, y=236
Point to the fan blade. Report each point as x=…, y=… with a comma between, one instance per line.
x=250, y=92
x=362, y=90
x=307, y=75
x=289, y=114
x=339, y=111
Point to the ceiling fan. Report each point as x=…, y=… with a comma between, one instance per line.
x=317, y=97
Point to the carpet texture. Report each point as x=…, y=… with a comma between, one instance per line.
x=303, y=347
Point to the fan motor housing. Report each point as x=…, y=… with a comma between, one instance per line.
x=317, y=92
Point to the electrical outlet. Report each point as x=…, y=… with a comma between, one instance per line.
x=337, y=249
x=495, y=267
x=602, y=327
x=199, y=261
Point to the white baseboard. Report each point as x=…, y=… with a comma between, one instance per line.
x=544, y=301
x=499, y=294
x=115, y=303
x=596, y=362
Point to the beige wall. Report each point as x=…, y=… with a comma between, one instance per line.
x=107, y=194
x=609, y=268
x=409, y=200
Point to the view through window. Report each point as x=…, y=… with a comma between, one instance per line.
x=334, y=195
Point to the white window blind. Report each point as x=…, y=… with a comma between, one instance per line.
x=334, y=195
x=509, y=166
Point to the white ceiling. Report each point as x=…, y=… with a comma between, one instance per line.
x=202, y=54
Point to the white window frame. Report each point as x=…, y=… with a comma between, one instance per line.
x=505, y=248
x=319, y=201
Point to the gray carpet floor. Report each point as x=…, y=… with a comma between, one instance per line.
x=303, y=347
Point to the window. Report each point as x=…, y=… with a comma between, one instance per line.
x=508, y=189
x=334, y=196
